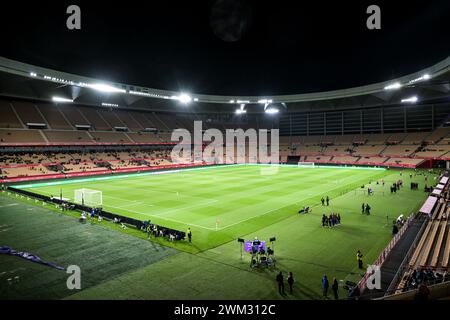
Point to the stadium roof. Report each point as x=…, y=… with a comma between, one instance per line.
x=27, y=81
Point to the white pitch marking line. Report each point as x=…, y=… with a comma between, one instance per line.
x=168, y=219
x=260, y=215
x=186, y=207
x=9, y=205
x=133, y=203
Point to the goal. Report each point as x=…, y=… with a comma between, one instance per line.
x=306, y=164
x=88, y=197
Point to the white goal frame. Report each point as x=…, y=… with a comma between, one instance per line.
x=305, y=164
x=88, y=197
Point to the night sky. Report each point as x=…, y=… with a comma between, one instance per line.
x=271, y=47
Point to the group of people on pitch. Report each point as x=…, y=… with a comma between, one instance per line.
x=158, y=231
x=332, y=220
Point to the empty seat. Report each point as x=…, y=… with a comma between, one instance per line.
x=110, y=117
x=73, y=114
x=119, y=137
x=67, y=136
x=20, y=136
x=129, y=121
x=8, y=118
x=144, y=137
x=94, y=118
x=28, y=112
x=54, y=117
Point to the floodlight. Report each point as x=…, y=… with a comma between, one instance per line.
x=271, y=110
x=102, y=87
x=184, y=98
x=231, y=101
x=33, y=74
x=60, y=99
x=413, y=99
x=105, y=104
x=396, y=85
x=421, y=78
x=241, y=110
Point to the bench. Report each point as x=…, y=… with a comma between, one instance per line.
x=438, y=210
x=441, y=211
x=437, y=248
x=446, y=256
x=418, y=249
x=430, y=241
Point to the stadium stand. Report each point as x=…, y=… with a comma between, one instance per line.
x=67, y=136
x=437, y=135
x=150, y=127
x=111, y=118
x=344, y=160
x=415, y=138
x=399, y=150
x=73, y=114
x=403, y=162
x=8, y=117
x=118, y=137
x=54, y=117
x=337, y=150
x=312, y=140
x=308, y=150
x=369, y=150
x=144, y=137
x=129, y=121
x=429, y=261
x=433, y=151
x=344, y=140
x=21, y=136
x=396, y=138
x=28, y=112
x=94, y=118
x=377, y=138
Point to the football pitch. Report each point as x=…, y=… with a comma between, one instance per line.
x=217, y=203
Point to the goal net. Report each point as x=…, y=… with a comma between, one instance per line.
x=306, y=164
x=88, y=197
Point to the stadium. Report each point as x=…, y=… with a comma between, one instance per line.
x=150, y=193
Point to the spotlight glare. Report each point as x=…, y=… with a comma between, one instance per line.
x=393, y=86
x=60, y=99
x=271, y=110
x=102, y=87
x=413, y=99
x=106, y=104
x=184, y=98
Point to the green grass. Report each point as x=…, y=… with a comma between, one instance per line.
x=240, y=197
x=249, y=204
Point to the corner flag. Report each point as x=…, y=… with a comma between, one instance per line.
x=217, y=222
